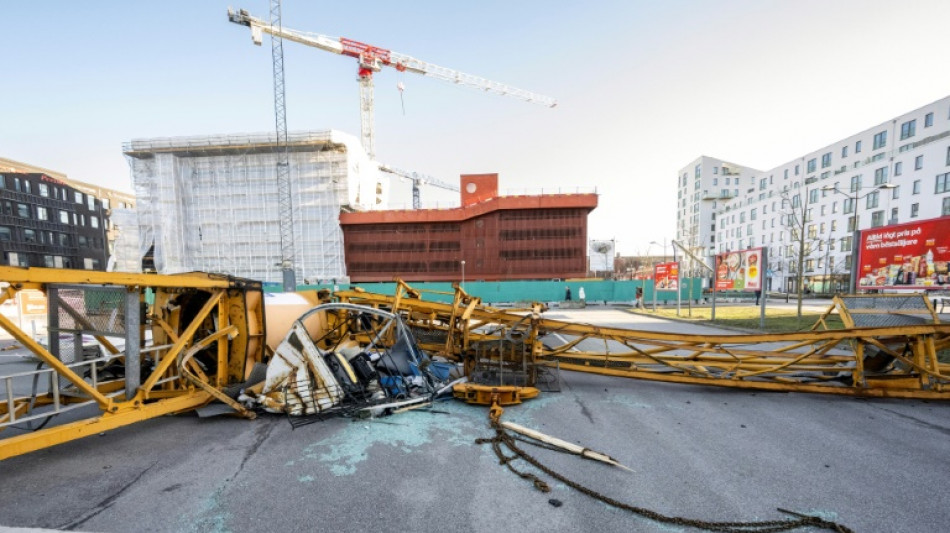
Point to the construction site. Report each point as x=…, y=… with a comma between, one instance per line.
x=215, y=392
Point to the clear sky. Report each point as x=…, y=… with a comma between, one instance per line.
x=644, y=87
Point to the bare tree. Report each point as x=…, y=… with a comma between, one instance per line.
x=803, y=236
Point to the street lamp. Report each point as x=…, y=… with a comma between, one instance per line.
x=463, y=274
x=663, y=245
x=856, y=228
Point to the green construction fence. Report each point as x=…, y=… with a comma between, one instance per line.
x=507, y=292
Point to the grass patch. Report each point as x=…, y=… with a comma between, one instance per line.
x=747, y=317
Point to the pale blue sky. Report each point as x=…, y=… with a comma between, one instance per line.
x=643, y=87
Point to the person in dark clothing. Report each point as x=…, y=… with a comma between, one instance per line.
x=758, y=294
x=639, y=298
x=567, y=294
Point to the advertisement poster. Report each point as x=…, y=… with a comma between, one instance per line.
x=32, y=302
x=905, y=256
x=602, y=256
x=739, y=271
x=667, y=276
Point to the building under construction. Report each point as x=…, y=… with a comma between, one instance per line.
x=209, y=203
x=490, y=237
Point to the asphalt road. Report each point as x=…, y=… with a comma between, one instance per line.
x=697, y=452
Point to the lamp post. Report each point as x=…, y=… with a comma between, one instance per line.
x=856, y=230
x=663, y=245
x=463, y=274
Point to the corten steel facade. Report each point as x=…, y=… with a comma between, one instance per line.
x=497, y=237
x=45, y=222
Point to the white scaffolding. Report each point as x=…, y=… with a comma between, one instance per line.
x=210, y=203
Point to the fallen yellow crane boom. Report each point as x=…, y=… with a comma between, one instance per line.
x=195, y=327
x=896, y=356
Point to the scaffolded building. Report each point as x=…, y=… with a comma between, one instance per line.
x=210, y=203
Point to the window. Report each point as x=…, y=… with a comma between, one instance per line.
x=943, y=183
x=23, y=210
x=846, y=244
x=844, y=151
x=813, y=196
x=948, y=156
x=63, y=239
x=834, y=225
x=44, y=190
x=896, y=193
x=5, y=234
x=797, y=169
x=916, y=187
x=928, y=120
x=873, y=199
x=698, y=170
x=855, y=183
x=880, y=176
x=908, y=129
x=42, y=213
x=64, y=217
x=848, y=206
x=893, y=216
x=91, y=202
x=78, y=197
x=763, y=184
x=880, y=140
x=48, y=261
x=945, y=210
x=914, y=210
x=877, y=219
x=811, y=165
x=29, y=235
x=26, y=186
x=752, y=214
x=105, y=203
x=857, y=147
x=826, y=160
x=94, y=221
x=919, y=162
x=898, y=168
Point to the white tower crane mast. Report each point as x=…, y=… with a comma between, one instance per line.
x=372, y=59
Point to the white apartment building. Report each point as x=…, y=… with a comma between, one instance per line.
x=895, y=172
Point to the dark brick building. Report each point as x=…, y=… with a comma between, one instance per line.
x=46, y=223
x=497, y=238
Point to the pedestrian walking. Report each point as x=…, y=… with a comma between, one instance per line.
x=567, y=294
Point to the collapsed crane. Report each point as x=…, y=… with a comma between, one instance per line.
x=192, y=339
x=372, y=59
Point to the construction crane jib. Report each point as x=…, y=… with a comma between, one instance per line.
x=418, y=180
x=372, y=59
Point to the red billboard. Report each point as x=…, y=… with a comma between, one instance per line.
x=905, y=256
x=667, y=276
x=739, y=271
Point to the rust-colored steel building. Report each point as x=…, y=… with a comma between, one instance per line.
x=497, y=237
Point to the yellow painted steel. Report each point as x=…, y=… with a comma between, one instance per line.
x=219, y=320
x=216, y=317
x=815, y=361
